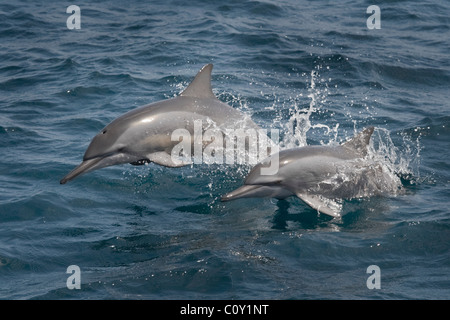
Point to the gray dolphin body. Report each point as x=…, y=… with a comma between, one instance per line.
x=144, y=134
x=321, y=176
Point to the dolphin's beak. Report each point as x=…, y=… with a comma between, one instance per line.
x=85, y=166
x=241, y=192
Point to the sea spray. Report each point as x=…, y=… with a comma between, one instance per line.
x=299, y=123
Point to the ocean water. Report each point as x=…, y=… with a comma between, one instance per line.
x=311, y=69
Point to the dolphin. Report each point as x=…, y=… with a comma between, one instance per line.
x=143, y=135
x=322, y=176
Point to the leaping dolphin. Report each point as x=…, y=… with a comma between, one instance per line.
x=321, y=175
x=143, y=135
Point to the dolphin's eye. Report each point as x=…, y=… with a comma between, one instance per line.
x=104, y=131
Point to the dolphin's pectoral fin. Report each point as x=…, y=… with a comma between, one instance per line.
x=164, y=159
x=322, y=204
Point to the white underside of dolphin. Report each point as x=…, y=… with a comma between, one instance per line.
x=144, y=134
x=321, y=176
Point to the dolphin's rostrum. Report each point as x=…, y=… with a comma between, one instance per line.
x=143, y=135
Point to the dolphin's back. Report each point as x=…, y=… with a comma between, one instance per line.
x=291, y=158
x=211, y=108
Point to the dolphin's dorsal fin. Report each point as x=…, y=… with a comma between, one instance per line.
x=360, y=142
x=200, y=87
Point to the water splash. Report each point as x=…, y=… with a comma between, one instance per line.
x=389, y=166
x=402, y=160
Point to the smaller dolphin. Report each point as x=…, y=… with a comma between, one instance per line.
x=320, y=175
x=144, y=134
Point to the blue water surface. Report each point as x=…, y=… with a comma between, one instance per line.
x=152, y=232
